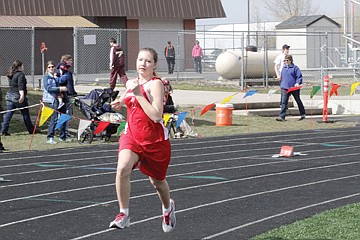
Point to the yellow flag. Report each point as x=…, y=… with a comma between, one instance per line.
x=353, y=87
x=227, y=99
x=45, y=114
x=166, y=118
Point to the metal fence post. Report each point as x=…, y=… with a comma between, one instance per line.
x=33, y=56
x=75, y=57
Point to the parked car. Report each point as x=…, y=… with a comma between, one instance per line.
x=210, y=59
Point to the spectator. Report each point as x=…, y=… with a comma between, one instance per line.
x=291, y=76
x=16, y=98
x=184, y=130
x=144, y=143
x=1, y=109
x=117, y=64
x=170, y=57
x=52, y=89
x=197, y=55
x=63, y=71
x=279, y=62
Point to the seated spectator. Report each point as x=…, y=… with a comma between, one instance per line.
x=184, y=130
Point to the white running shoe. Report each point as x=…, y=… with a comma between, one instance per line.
x=51, y=141
x=121, y=221
x=169, y=219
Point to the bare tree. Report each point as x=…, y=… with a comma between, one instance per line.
x=285, y=9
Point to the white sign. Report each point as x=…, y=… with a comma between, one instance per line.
x=89, y=39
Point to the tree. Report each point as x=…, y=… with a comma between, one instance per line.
x=284, y=9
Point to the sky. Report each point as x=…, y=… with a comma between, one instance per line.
x=236, y=11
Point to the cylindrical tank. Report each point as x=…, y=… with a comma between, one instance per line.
x=228, y=64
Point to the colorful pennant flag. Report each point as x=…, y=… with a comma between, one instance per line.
x=45, y=114
x=62, y=119
x=353, y=88
x=83, y=124
x=271, y=92
x=292, y=89
x=334, y=89
x=314, y=90
x=227, y=99
x=120, y=128
x=207, y=108
x=166, y=118
x=181, y=117
x=250, y=93
x=101, y=127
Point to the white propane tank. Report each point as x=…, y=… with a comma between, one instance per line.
x=228, y=64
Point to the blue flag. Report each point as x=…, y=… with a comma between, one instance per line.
x=250, y=93
x=62, y=119
x=181, y=117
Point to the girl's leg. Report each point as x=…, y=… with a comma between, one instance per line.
x=127, y=159
x=163, y=191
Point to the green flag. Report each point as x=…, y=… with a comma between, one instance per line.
x=120, y=128
x=314, y=90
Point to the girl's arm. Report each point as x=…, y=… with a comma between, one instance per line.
x=154, y=108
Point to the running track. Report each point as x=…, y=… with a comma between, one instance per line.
x=224, y=188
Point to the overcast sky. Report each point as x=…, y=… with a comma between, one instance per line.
x=236, y=11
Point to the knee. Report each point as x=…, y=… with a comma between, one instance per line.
x=158, y=184
x=123, y=172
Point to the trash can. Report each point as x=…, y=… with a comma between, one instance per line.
x=224, y=114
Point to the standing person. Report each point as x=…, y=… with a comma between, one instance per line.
x=197, y=54
x=1, y=109
x=52, y=89
x=63, y=71
x=170, y=57
x=16, y=98
x=291, y=76
x=144, y=143
x=117, y=64
x=279, y=62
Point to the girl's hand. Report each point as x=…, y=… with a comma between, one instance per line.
x=134, y=86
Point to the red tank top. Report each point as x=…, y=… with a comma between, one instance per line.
x=139, y=125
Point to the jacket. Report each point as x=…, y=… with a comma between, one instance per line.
x=290, y=75
x=51, y=88
x=197, y=51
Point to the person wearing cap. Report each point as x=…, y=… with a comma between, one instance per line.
x=279, y=60
x=291, y=76
x=170, y=57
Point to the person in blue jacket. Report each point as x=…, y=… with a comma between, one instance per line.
x=51, y=85
x=63, y=71
x=291, y=76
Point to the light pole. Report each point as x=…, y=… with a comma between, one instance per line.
x=248, y=15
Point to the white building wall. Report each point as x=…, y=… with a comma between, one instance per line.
x=297, y=41
x=155, y=32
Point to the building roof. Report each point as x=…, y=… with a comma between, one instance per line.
x=45, y=21
x=303, y=22
x=186, y=9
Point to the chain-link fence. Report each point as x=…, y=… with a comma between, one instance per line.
x=317, y=54
x=17, y=44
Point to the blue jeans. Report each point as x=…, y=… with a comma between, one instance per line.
x=25, y=113
x=285, y=99
x=53, y=121
x=197, y=64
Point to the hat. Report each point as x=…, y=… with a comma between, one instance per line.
x=285, y=46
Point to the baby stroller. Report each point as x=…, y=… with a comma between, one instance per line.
x=95, y=106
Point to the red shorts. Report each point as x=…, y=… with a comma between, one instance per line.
x=154, y=158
